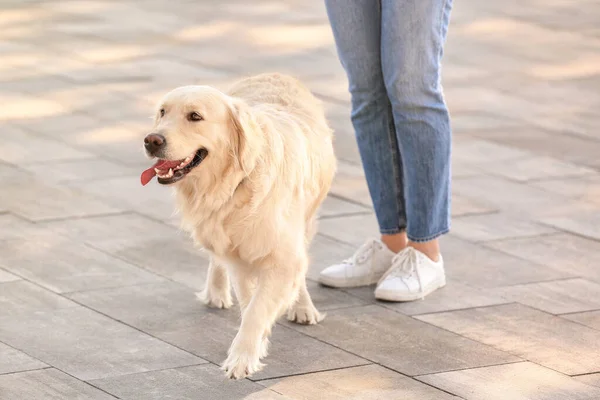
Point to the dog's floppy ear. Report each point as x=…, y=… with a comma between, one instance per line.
x=244, y=130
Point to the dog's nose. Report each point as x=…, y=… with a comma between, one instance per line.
x=154, y=142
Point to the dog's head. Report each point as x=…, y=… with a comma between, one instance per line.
x=197, y=131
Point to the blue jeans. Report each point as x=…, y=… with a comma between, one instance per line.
x=391, y=51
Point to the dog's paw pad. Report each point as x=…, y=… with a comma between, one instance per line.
x=214, y=299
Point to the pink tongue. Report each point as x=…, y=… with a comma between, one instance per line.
x=162, y=165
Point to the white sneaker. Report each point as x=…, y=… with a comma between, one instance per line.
x=365, y=267
x=412, y=276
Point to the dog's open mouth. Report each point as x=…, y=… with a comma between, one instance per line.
x=170, y=171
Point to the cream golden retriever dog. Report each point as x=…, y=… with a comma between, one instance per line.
x=250, y=168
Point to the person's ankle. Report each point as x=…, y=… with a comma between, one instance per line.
x=431, y=249
x=395, y=242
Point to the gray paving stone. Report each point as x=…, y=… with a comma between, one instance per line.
x=481, y=228
x=38, y=201
x=540, y=34
x=48, y=384
x=517, y=381
x=266, y=394
x=354, y=230
x=462, y=206
x=13, y=360
x=479, y=122
x=570, y=148
x=535, y=168
x=403, y=343
x=172, y=71
x=7, y=277
x=326, y=298
x=11, y=174
x=518, y=198
x=88, y=345
x=172, y=313
x=172, y=257
x=119, y=138
x=586, y=188
x=201, y=382
x=61, y=125
x=337, y=110
x=550, y=341
x=147, y=307
x=77, y=170
x=453, y=296
x=114, y=229
x=350, y=183
x=579, y=122
x=346, y=151
x=457, y=73
x=153, y=200
x=555, y=297
x=85, y=131
x=62, y=265
x=591, y=379
x=574, y=207
x=22, y=296
x=472, y=99
x=475, y=152
x=21, y=145
x=94, y=101
x=366, y=382
x=584, y=224
x=589, y=318
x=314, y=66
x=464, y=169
x=569, y=253
x=333, y=206
x=12, y=226
x=36, y=84
x=482, y=267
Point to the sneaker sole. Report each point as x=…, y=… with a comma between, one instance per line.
x=345, y=283
x=394, y=296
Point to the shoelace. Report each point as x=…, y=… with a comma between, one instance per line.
x=363, y=252
x=404, y=265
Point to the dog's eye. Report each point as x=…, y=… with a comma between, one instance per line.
x=162, y=112
x=194, y=116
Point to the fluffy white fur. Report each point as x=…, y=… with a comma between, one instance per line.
x=252, y=202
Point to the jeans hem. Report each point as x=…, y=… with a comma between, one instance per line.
x=428, y=238
x=392, y=231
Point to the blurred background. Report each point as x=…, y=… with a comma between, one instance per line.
x=97, y=284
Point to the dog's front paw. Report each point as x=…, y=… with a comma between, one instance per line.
x=305, y=315
x=215, y=298
x=240, y=366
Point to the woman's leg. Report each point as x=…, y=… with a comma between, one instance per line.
x=412, y=37
x=356, y=26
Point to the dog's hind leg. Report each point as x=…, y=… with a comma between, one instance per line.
x=217, y=290
x=277, y=289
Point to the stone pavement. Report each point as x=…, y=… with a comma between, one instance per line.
x=97, y=294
